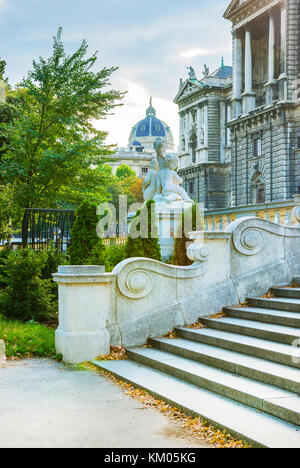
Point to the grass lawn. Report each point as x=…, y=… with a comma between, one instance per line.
x=27, y=340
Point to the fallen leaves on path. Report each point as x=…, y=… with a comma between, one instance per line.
x=116, y=354
x=196, y=426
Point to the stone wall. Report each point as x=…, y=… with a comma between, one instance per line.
x=279, y=160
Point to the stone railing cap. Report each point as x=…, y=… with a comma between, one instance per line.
x=81, y=269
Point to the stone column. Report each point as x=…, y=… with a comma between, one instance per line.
x=85, y=306
x=237, y=74
x=249, y=101
x=283, y=54
x=206, y=126
x=228, y=119
x=198, y=126
x=271, y=85
x=181, y=130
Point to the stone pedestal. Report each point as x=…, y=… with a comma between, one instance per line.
x=169, y=220
x=84, y=308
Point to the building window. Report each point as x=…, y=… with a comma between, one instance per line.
x=258, y=194
x=257, y=147
x=191, y=187
x=144, y=170
x=298, y=142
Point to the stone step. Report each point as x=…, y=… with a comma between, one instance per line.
x=292, y=293
x=263, y=397
x=268, y=372
x=277, y=317
x=266, y=331
x=278, y=303
x=260, y=429
x=264, y=349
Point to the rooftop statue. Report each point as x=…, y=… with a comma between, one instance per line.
x=192, y=74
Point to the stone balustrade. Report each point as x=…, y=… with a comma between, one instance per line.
x=279, y=212
x=143, y=298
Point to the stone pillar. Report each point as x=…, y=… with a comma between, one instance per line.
x=181, y=130
x=206, y=126
x=237, y=75
x=85, y=305
x=228, y=119
x=272, y=83
x=199, y=126
x=283, y=54
x=249, y=96
x=169, y=220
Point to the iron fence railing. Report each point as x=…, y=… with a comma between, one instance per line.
x=43, y=228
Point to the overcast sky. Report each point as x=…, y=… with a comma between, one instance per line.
x=151, y=41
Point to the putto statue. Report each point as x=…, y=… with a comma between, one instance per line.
x=150, y=181
x=167, y=180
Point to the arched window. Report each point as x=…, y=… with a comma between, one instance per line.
x=258, y=194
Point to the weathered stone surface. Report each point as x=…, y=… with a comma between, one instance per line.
x=2, y=353
x=144, y=298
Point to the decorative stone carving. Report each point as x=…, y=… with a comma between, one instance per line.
x=192, y=74
x=139, y=283
x=197, y=252
x=248, y=234
x=135, y=276
x=168, y=188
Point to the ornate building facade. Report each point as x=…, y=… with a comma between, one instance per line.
x=265, y=124
x=205, y=144
x=246, y=127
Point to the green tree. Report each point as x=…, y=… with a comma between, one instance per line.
x=125, y=171
x=87, y=248
x=147, y=244
x=52, y=143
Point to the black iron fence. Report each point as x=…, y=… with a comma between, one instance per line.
x=43, y=228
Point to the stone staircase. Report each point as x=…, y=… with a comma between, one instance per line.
x=239, y=372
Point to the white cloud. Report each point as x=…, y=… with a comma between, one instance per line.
x=135, y=103
x=191, y=53
x=195, y=53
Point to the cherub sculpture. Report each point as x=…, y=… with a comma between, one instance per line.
x=150, y=181
x=160, y=146
x=168, y=184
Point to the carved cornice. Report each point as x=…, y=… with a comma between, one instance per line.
x=238, y=13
